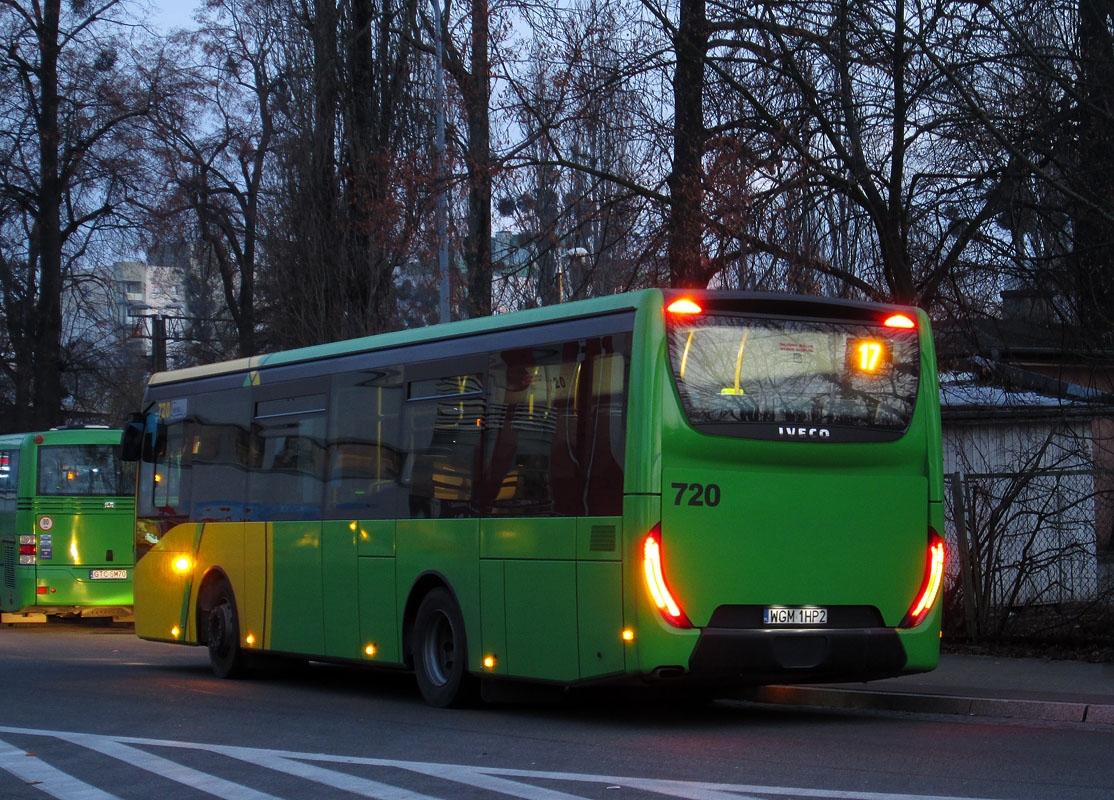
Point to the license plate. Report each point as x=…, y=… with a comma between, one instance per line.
x=795, y=616
x=108, y=574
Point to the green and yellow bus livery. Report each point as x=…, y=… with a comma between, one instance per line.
x=678, y=487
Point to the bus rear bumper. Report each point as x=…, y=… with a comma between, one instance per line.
x=796, y=656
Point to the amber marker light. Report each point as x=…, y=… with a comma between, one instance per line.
x=175, y=632
x=182, y=564
x=249, y=640
x=683, y=306
x=655, y=581
x=370, y=651
x=628, y=635
x=489, y=662
x=899, y=321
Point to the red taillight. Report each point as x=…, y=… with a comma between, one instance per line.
x=899, y=321
x=930, y=586
x=684, y=306
x=27, y=549
x=655, y=581
x=40, y=590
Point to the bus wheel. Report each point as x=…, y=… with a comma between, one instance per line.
x=441, y=652
x=225, y=656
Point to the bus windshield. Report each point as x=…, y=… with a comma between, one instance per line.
x=92, y=470
x=734, y=372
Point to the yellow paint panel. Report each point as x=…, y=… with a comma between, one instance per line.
x=256, y=598
x=222, y=547
x=160, y=590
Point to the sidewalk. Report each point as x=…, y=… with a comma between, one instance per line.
x=984, y=686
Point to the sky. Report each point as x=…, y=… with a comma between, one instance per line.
x=169, y=14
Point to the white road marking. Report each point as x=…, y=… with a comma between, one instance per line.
x=495, y=779
x=37, y=773
x=165, y=768
x=339, y=780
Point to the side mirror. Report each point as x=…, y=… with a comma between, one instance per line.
x=131, y=440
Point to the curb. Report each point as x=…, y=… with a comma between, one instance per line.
x=1043, y=710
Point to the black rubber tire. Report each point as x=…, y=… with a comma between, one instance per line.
x=440, y=649
x=226, y=657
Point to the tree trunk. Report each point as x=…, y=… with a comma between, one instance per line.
x=687, y=265
x=47, y=380
x=1093, y=252
x=478, y=243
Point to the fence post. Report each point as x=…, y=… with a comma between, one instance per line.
x=959, y=513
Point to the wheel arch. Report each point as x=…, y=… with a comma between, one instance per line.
x=213, y=577
x=423, y=585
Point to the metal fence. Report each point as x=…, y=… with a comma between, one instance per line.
x=1024, y=539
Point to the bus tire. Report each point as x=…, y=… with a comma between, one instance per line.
x=440, y=650
x=225, y=655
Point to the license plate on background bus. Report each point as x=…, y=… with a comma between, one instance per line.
x=108, y=574
x=795, y=616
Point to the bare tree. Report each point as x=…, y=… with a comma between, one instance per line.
x=67, y=151
x=214, y=143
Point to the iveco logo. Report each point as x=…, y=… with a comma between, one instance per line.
x=804, y=433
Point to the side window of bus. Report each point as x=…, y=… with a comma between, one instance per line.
x=531, y=417
x=556, y=429
x=9, y=479
x=218, y=444
x=287, y=458
x=365, y=454
x=443, y=423
x=169, y=489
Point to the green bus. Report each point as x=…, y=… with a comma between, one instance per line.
x=67, y=506
x=714, y=489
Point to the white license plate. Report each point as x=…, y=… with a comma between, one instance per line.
x=108, y=574
x=795, y=616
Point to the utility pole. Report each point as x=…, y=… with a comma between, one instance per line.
x=158, y=343
x=442, y=199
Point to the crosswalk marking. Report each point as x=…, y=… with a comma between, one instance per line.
x=165, y=768
x=36, y=772
x=313, y=767
x=339, y=780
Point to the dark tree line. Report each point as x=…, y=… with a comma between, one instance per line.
x=927, y=151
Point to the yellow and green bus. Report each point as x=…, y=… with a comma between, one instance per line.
x=715, y=489
x=67, y=525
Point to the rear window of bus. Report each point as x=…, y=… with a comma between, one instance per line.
x=76, y=470
x=738, y=375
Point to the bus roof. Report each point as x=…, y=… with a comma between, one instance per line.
x=385, y=341
x=630, y=301
x=67, y=435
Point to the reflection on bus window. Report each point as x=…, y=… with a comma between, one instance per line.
x=83, y=470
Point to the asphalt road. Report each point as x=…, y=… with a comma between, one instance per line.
x=92, y=713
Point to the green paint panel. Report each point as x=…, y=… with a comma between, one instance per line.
x=378, y=617
x=493, y=608
x=542, y=620
x=549, y=538
x=340, y=589
x=796, y=537
x=376, y=537
x=297, y=610
x=599, y=608
x=73, y=587
x=599, y=538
